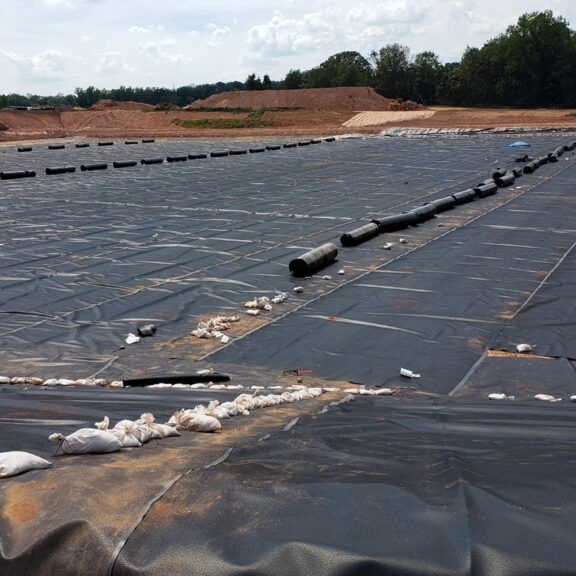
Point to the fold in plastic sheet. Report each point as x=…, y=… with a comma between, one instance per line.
x=378, y=487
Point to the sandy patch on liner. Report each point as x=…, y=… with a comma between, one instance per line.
x=379, y=118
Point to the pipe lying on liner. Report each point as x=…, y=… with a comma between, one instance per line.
x=105, y=143
x=256, y=150
x=127, y=142
x=60, y=170
x=505, y=180
x=237, y=152
x=486, y=189
x=290, y=145
x=530, y=167
x=359, y=235
x=25, y=149
x=56, y=147
x=83, y=145
x=101, y=166
x=148, y=140
x=152, y=161
x=314, y=260
x=464, y=196
x=177, y=158
x=185, y=379
x=273, y=147
x=425, y=212
x=443, y=204
x=219, y=154
x=197, y=156
x=124, y=163
x=18, y=174
x=398, y=221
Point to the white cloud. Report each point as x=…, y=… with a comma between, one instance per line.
x=385, y=13
x=112, y=63
x=146, y=29
x=44, y=66
x=158, y=51
x=218, y=30
x=283, y=36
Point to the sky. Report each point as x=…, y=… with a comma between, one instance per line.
x=50, y=47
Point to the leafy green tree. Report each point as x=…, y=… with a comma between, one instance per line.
x=538, y=59
x=426, y=77
x=342, y=69
x=293, y=80
x=392, y=71
x=253, y=83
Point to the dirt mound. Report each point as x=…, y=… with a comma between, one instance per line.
x=116, y=105
x=356, y=98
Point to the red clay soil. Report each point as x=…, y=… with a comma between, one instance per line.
x=291, y=113
x=357, y=99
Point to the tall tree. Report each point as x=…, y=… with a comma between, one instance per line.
x=426, y=76
x=391, y=70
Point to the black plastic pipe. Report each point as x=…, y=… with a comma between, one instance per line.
x=125, y=163
x=290, y=145
x=425, y=212
x=105, y=143
x=152, y=161
x=530, y=167
x=219, y=154
x=128, y=142
x=177, y=158
x=60, y=170
x=505, y=180
x=304, y=143
x=148, y=140
x=83, y=145
x=25, y=149
x=312, y=261
x=56, y=147
x=17, y=174
x=197, y=156
x=486, y=190
x=443, y=204
x=237, y=152
x=90, y=167
x=273, y=147
x=184, y=379
x=398, y=221
x=359, y=235
x=464, y=196
x=256, y=150
x=330, y=139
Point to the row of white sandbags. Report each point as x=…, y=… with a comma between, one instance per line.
x=131, y=434
x=128, y=433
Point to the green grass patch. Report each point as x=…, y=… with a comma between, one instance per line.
x=253, y=119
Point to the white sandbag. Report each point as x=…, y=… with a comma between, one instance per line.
x=142, y=433
x=193, y=422
x=88, y=441
x=16, y=462
x=164, y=430
x=125, y=436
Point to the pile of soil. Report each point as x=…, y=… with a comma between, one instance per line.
x=358, y=98
x=105, y=104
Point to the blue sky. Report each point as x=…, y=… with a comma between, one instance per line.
x=53, y=46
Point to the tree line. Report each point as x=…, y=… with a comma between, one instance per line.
x=531, y=64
